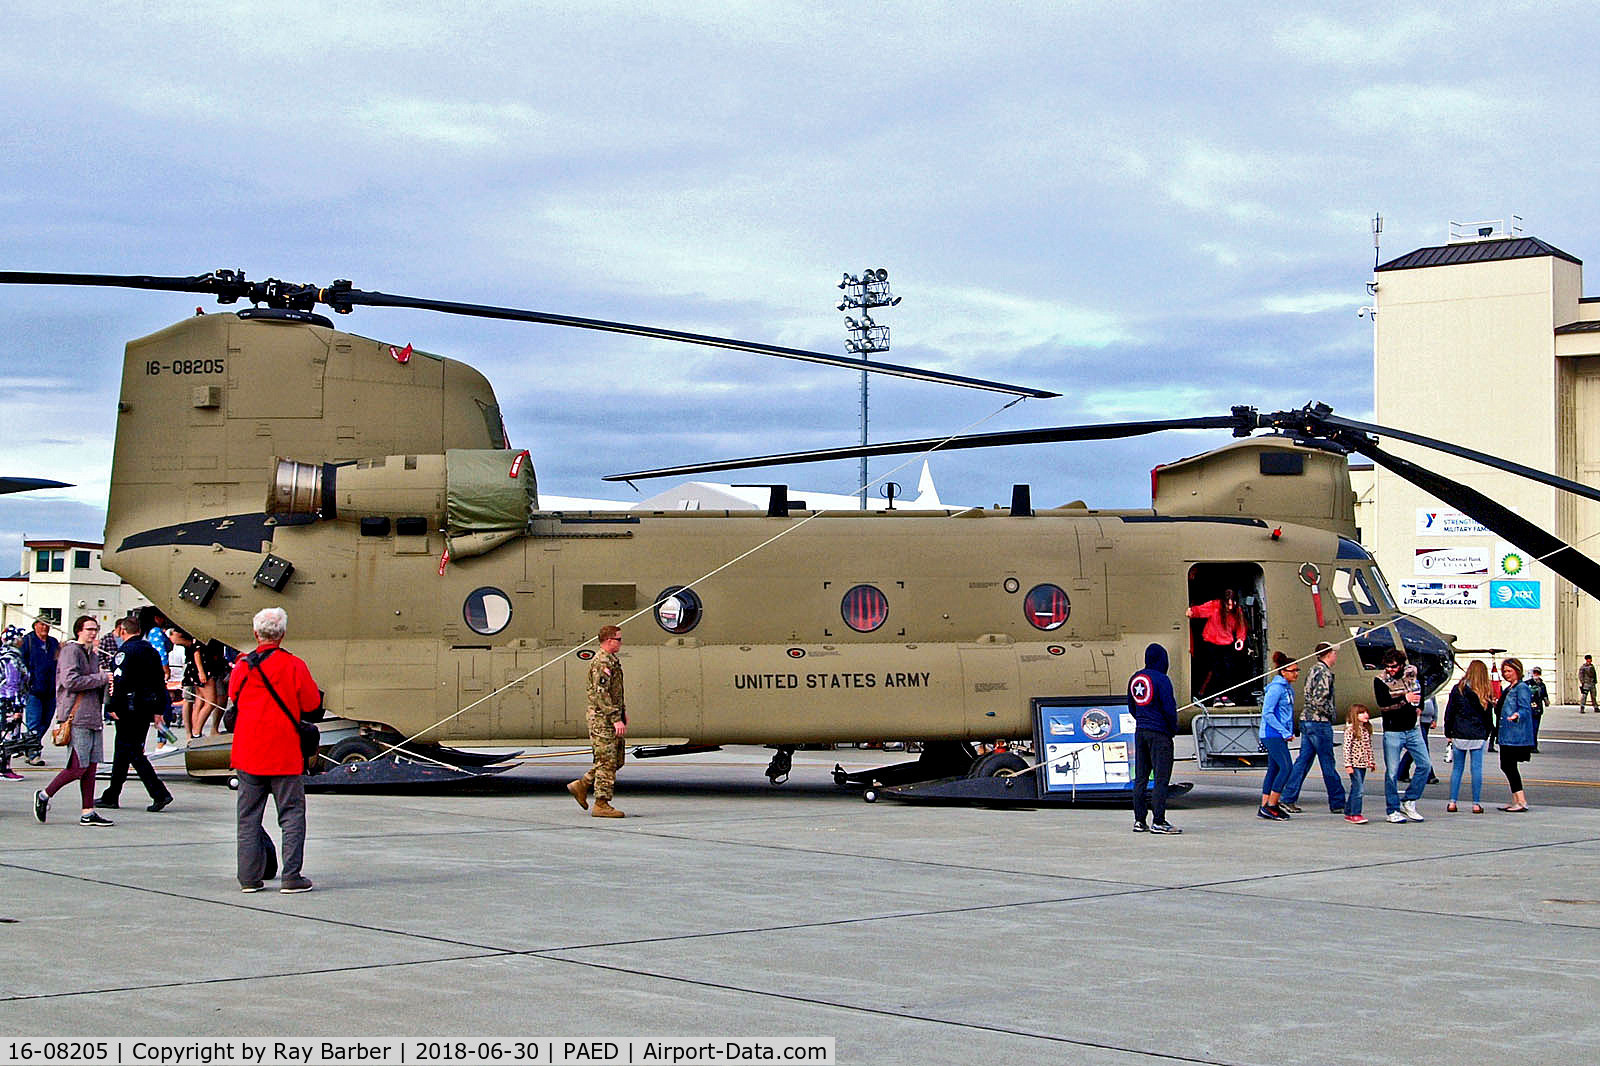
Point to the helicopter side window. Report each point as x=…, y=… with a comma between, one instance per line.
x=1354, y=594
x=864, y=608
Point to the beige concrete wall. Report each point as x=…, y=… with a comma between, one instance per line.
x=1467, y=353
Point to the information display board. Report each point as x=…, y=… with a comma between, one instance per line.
x=1087, y=742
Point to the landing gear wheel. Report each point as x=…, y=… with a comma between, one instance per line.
x=870, y=795
x=996, y=763
x=355, y=749
x=778, y=768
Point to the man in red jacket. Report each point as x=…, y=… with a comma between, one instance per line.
x=271, y=690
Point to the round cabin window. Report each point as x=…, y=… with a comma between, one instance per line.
x=678, y=609
x=1046, y=607
x=865, y=608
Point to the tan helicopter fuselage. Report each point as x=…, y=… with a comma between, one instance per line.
x=480, y=647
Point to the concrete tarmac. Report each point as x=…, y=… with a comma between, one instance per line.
x=724, y=907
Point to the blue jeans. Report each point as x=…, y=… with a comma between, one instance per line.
x=1316, y=742
x=1408, y=741
x=1458, y=762
x=1358, y=784
x=1277, y=750
x=38, y=712
x=1405, y=760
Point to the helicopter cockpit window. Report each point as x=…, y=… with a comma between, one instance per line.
x=1046, y=607
x=677, y=609
x=1354, y=593
x=864, y=608
x=487, y=610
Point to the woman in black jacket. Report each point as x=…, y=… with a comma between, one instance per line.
x=1466, y=728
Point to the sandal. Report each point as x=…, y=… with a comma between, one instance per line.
x=1513, y=809
x=1450, y=807
x=1477, y=808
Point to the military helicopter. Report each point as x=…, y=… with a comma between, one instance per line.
x=265, y=458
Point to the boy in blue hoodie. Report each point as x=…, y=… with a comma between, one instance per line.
x=1155, y=711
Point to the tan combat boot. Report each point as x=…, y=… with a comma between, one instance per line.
x=603, y=809
x=580, y=792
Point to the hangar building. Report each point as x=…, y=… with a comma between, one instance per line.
x=1488, y=342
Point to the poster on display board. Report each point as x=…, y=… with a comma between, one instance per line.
x=1432, y=562
x=1443, y=523
x=1415, y=594
x=1087, y=742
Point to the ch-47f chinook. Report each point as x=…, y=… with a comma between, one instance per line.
x=264, y=458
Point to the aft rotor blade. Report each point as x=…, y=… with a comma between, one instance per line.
x=1553, y=480
x=1047, y=435
x=29, y=484
x=231, y=286
x=1540, y=545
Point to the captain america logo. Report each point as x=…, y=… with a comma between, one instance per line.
x=1141, y=690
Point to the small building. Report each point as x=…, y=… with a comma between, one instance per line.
x=62, y=579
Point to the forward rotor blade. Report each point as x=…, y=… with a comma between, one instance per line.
x=1553, y=480
x=230, y=286
x=1048, y=435
x=1550, y=550
x=29, y=484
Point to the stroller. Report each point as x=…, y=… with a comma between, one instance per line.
x=15, y=737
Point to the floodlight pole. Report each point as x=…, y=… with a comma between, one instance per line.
x=866, y=292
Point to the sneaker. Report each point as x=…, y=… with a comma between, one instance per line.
x=1433, y=779
x=41, y=806
x=1397, y=818
x=1166, y=829
x=1292, y=808
x=161, y=804
x=1409, y=809
x=1356, y=819
x=1140, y=827
x=253, y=886
x=10, y=774
x=95, y=818
x=1279, y=811
x=34, y=760
x=296, y=884
x=1271, y=815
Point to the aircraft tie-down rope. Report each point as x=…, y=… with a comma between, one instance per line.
x=704, y=577
x=1303, y=659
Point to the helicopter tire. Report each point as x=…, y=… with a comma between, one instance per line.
x=354, y=749
x=870, y=795
x=996, y=763
x=233, y=782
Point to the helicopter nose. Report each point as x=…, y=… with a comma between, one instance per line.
x=1432, y=655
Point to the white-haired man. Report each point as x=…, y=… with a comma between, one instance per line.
x=272, y=690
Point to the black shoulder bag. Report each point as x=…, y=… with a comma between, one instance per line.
x=310, y=735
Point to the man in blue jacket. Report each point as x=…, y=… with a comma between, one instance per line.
x=39, y=651
x=1155, y=711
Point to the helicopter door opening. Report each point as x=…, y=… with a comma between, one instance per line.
x=1227, y=637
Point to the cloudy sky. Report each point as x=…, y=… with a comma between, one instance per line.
x=1157, y=209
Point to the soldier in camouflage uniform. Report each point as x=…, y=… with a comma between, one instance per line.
x=1316, y=734
x=608, y=724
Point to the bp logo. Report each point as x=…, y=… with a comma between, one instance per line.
x=1511, y=564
